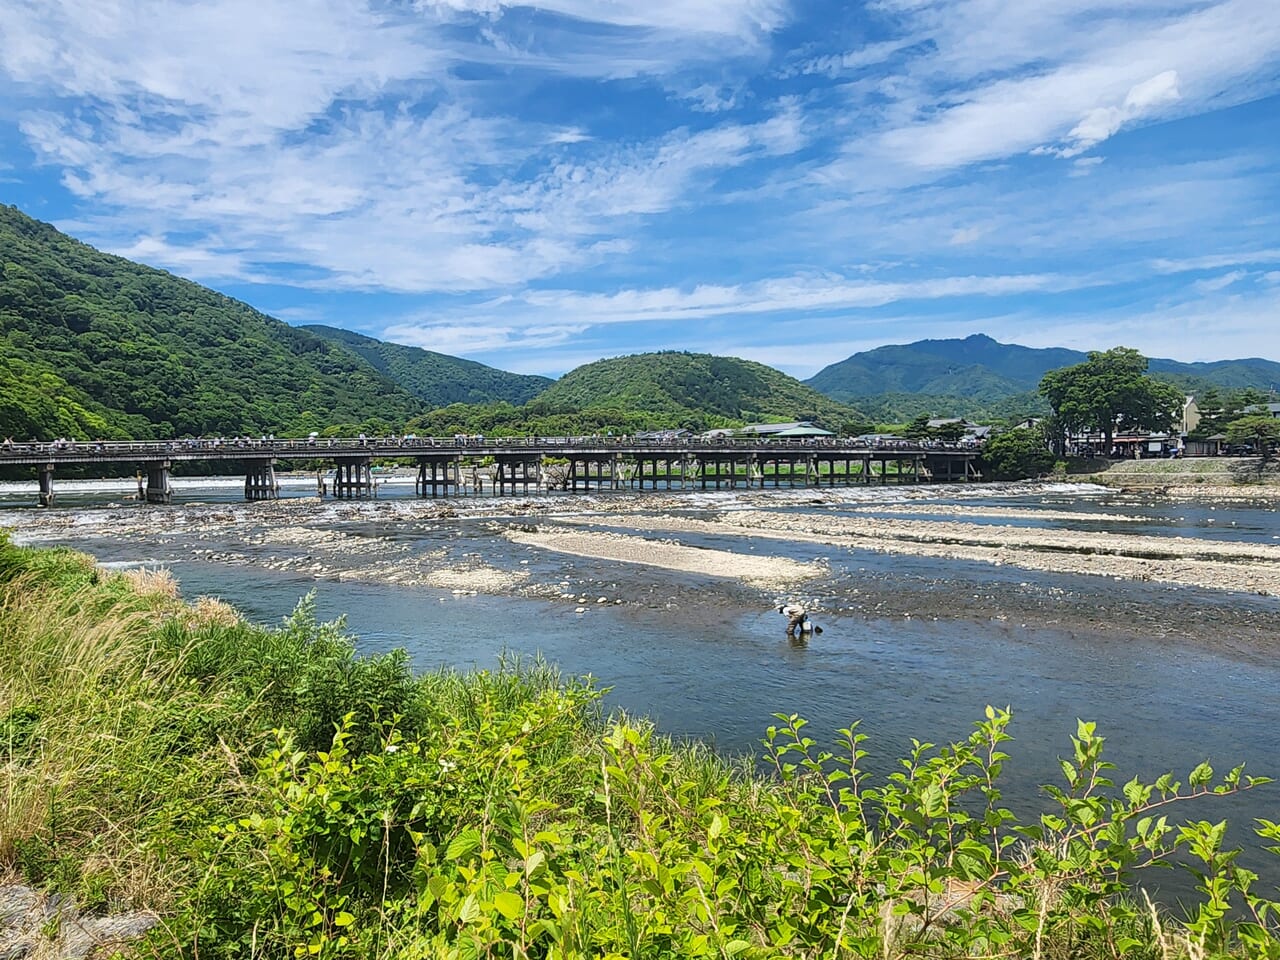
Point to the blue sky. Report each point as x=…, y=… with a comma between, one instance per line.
x=788, y=181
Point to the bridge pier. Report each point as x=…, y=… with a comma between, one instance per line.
x=719, y=474
x=846, y=476
x=353, y=477
x=519, y=470
x=790, y=462
x=667, y=474
x=46, y=485
x=599, y=461
x=944, y=468
x=437, y=473
x=158, y=488
x=260, y=480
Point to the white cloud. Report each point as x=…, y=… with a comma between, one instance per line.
x=1083, y=166
x=185, y=258
x=468, y=339
x=1211, y=325
x=1220, y=282
x=1216, y=261
x=833, y=65
x=1101, y=123
x=966, y=235
x=541, y=318
x=463, y=147
x=711, y=98
x=331, y=136
x=740, y=18
x=1004, y=77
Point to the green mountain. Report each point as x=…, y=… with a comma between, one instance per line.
x=976, y=367
x=895, y=408
x=694, y=389
x=1224, y=374
x=93, y=345
x=436, y=378
x=978, y=374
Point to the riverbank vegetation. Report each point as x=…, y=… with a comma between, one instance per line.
x=269, y=793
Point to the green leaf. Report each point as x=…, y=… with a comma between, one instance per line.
x=1200, y=775
x=463, y=844
x=470, y=909
x=509, y=904
x=343, y=919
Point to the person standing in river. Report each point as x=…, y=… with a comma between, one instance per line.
x=796, y=616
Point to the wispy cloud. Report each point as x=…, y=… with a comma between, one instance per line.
x=1001, y=77
x=530, y=180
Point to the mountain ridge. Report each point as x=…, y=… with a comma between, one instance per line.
x=983, y=371
x=437, y=379
x=95, y=344
x=680, y=384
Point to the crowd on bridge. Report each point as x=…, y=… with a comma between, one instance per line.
x=309, y=445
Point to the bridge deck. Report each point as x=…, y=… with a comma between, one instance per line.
x=83, y=452
x=520, y=462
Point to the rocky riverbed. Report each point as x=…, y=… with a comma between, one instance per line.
x=972, y=552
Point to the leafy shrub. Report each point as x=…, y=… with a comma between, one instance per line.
x=455, y=845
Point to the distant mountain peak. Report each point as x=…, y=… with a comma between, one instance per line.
x=978, y=370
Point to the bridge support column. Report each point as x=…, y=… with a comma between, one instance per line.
x=158, y=488
x=260, y=480
x=519, y=470
x=46, y=485
x=444, y=472
x=353, y=477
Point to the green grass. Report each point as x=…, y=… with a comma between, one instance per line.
x=272, y=794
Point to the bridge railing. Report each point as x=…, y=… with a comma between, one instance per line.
x=322, y=447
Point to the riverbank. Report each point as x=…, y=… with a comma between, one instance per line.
x=1208, y=478
x=196, y=777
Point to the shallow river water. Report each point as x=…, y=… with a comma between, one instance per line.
x=913, y=647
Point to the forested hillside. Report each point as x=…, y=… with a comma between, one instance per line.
x=979, y=376
x=436, y=379
x=687, y=385
x=891, y=408
x=977, y=367
x=93, y=345
x=651, y=391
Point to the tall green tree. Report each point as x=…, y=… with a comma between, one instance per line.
x=1017, y=454
x=1111, y=389
x=1261, y=431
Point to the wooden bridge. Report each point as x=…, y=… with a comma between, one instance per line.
x=565, y=463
